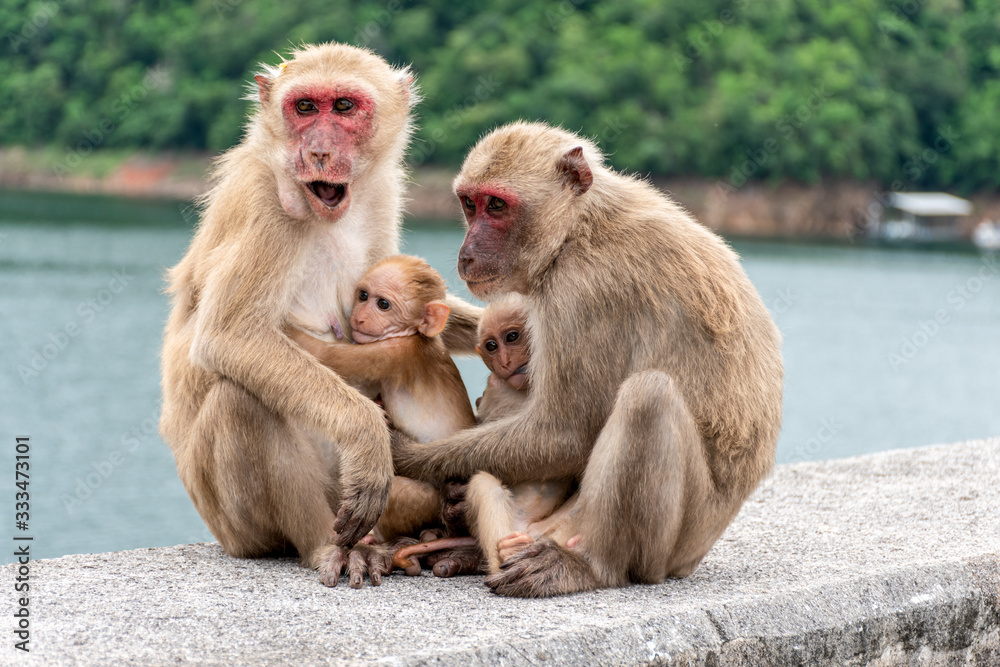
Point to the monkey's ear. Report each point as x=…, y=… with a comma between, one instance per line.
x=263, y=88
x=409, y=88
x=575, y=171
x=435, y=317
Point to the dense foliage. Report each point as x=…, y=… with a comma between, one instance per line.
x=894, y=90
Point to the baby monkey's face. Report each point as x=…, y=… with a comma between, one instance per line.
x=393, y=299
x=384, y=306
x=504, y=345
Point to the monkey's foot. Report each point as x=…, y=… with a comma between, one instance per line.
x=542, y=569
x=407, y=556
x=373, y=559
x=461, y=560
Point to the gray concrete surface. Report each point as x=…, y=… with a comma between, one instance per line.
x=887, y=559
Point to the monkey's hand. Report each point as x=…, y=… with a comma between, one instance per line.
x=366, y=470
x=360, y=509
x=454, y=505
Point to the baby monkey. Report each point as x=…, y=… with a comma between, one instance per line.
x=506, y=518
x=397, y=316
x=503, y=347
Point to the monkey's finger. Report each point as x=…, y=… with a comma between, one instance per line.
x=379, y=563
x=351, y=524
x=455, y=489
x=331, y=570
x=356, y=568
x=454, y=512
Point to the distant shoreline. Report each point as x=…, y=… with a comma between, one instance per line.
x=788, y=210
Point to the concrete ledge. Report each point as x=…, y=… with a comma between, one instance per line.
x=887, y=559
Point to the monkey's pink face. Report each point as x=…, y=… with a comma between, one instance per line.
x=327, y=126
x=486, y=259
x=382, y=306
x=504, y=349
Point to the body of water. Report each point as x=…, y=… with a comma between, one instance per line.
x=883, y=349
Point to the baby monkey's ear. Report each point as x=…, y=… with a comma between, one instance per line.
x=435, y=317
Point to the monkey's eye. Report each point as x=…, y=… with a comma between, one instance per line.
x=469, y=204
x=343, y=104
x=362, y=295
x=512, y=336
x=383, y=304
x=496, y=204
x=491, y=346
x=305, y=106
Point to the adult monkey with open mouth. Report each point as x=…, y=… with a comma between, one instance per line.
x=656, y=371
x=276, y=450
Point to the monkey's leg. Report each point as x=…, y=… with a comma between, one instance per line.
x=267, y=487
x=646, y=505
x=490, y=515
x=412, y=505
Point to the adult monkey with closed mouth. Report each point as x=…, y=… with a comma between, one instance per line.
x=656, y=370
x=275, y=450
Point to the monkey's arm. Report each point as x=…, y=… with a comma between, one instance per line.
x=372, y=362
x=460, y=336
x=516, y=448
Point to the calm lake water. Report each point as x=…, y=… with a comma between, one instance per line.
x=883, y=349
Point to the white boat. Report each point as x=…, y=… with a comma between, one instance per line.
x=921, y=217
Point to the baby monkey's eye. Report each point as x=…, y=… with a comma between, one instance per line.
x=383, y=304
x=512, y=336
x=362, y=295
x=491, y=346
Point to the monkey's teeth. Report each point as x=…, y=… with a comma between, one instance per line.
x=330, y=194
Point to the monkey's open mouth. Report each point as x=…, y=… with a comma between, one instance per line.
x=330, y=194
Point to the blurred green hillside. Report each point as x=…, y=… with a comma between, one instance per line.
x=903, y=91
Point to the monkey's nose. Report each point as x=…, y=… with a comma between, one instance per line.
x=465, y=259
x=320, y=157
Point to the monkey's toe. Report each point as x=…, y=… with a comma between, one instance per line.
x=373, y=560
x=513, y=544
x=455, y=562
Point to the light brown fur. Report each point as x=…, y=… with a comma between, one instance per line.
x=407, y=364
x=494, y=510
x=269, y=442
x=656, y=370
